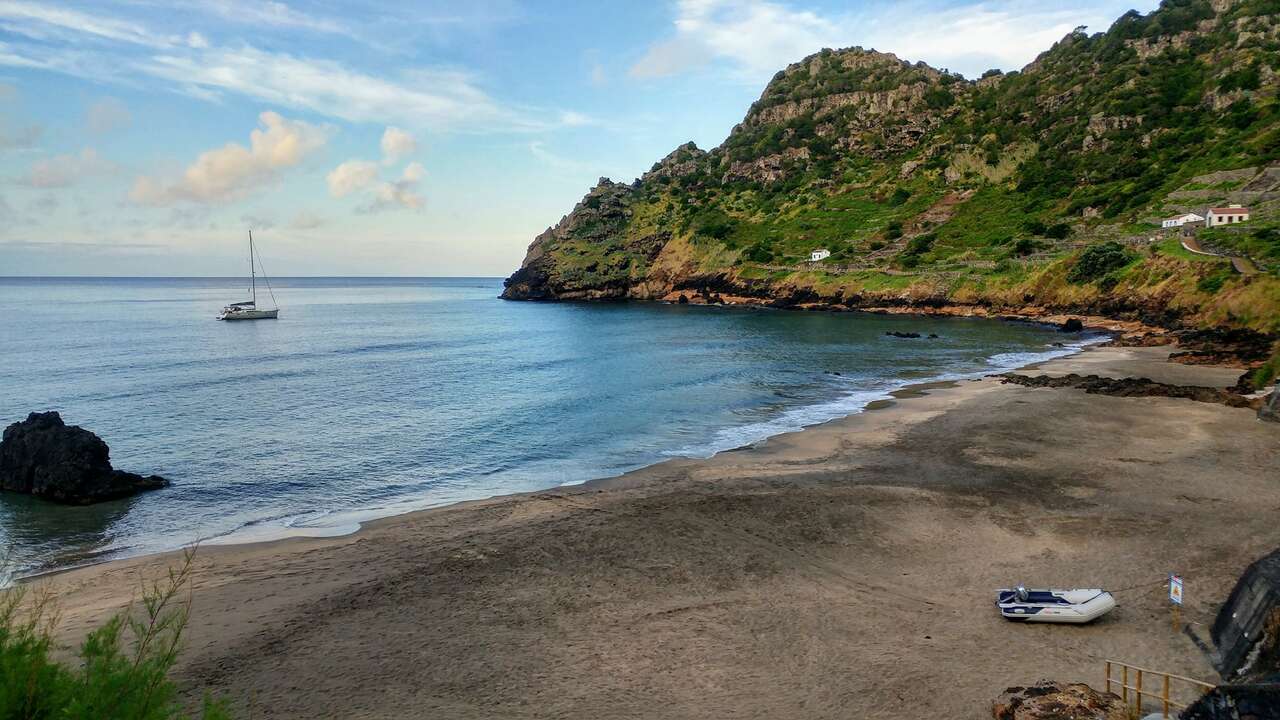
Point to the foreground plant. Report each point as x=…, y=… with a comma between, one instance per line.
x=125, y=664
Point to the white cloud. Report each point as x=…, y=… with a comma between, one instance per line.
x=756, y=38
x=227, y=173
x=108, y=115
x=569, y=118
x=66, y=170
x=361, y=177
x=400, y=194
x=275, y=14
x=759, y=37
x=106, y=49
x=42, y=21
x=397, y=145
x=351, y=176
x=306, y=220
x=425, y=97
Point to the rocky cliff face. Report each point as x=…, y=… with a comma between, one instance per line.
x=930, y=189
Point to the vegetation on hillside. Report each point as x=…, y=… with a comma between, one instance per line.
x=1042, y=186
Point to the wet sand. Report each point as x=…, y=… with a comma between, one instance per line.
x=843, y=571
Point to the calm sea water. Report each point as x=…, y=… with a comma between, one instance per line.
x=374, y=396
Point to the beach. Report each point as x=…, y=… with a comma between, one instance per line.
x=846, y=570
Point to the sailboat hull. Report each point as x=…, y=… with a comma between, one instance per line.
x=250, y=315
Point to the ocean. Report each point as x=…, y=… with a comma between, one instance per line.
x=375, y=396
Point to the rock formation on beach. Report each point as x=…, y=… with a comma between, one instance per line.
x=44, y=457
x=1047, y=700
x=1132, y=387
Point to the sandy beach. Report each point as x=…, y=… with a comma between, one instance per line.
x=843, y=571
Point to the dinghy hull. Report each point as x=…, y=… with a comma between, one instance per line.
x=1055, y=606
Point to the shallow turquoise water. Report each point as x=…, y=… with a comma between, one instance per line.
x=373, y=396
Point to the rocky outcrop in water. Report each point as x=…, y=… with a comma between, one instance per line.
x=44, y=457
x=1132, y=387
x=1047, y=700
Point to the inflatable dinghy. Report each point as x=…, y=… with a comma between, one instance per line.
x=1057, y=606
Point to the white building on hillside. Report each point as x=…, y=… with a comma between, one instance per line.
x=819, y=254
x=1226, y=215
x=1180, y=220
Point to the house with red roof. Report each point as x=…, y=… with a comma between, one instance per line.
x=1226, y=215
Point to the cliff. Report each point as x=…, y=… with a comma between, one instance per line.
x=1039, y=188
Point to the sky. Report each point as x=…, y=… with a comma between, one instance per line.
x=143, y=137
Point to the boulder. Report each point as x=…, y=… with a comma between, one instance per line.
x=1071, y=325
x=1048, y=700
x=1270, y=409
x=44, y=457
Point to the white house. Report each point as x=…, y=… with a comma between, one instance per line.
x=819, y=254
x=1226, y=215
x=1180, y=220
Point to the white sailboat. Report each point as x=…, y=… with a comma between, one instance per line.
x=249, y=309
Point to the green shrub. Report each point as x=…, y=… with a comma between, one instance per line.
x=1265, y=375
x=1213, y=283
x=893, y=230
x=1058, y=231
x=1097, y=261
x=1024, y=246
x=1035, y=227
x=110, y=682
x=900, y=196
x=921, y=244
x=760, y=252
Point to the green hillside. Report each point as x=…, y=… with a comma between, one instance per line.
x=1042, y=187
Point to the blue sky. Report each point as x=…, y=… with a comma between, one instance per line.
x=140, y=137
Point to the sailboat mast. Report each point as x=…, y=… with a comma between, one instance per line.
x=253, y=276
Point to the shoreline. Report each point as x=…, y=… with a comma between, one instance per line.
x=756, y=578
x=352, y=522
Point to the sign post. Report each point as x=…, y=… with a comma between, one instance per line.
x=1175, y=597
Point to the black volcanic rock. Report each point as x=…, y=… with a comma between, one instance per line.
x=1071, y=325
x=1133, y=387
x=900, y=334
x=44, y=457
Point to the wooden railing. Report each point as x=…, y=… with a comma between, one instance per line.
x=1140, y=691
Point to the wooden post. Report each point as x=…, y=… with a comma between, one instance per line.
x=1164, y=696
x=1139, y=702
x=1124, y=684
x=1108, y=676
x=1177, y=618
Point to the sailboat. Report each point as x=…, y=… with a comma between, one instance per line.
x=249, y=309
